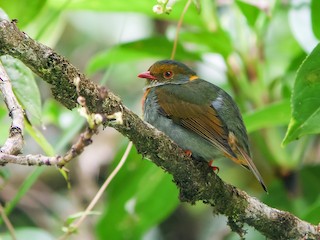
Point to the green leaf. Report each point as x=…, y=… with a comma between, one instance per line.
x=146, y=48
x=139, y=197
x=5, y=123
x=249, y=11
x=197, y=3
x=305, y=100
x=3, y=111
x=274, y=114
x=312, y=215
x=141, y=6
x=23, y=10
x=24, y=87
x=315, y=17
x=51, y=111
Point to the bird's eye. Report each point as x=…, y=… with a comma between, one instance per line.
x=167, y=74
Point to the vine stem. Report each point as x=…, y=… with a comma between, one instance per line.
x=7, y=223
x=100, y=192
x=175, y=43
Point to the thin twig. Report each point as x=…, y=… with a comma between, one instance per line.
x=100, y=192
x=175, y=43
x=7, y=223
x=39, y=160
x=14, y=143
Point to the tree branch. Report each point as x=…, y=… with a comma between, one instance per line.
x=14, y=143
x=195, y=179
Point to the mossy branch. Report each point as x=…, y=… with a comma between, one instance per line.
x=195, y=180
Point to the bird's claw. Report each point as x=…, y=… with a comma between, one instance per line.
x=214, y=168
x=188, y=153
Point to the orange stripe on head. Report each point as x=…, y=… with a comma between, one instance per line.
x=193, y=77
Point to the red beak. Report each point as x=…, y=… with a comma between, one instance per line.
x=147, y=75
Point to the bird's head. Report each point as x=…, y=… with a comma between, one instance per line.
x=168, y=71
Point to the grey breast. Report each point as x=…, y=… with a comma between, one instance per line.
x=201, y=149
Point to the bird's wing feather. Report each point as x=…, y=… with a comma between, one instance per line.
x=201, y=119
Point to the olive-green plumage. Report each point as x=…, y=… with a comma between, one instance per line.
x=199, y=116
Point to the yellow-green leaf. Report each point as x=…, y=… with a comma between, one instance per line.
x=305, y=100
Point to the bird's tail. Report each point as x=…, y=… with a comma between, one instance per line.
x=245, y=160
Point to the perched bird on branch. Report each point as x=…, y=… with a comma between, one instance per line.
x=199, y=116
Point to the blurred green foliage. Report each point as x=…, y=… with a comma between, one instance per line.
x=264, y=53
x=135, y=204
x=134, y=51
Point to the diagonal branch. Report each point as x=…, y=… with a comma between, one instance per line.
x=194, y=179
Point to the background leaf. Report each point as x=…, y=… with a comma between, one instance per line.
x=4, y=132
x=135, y=197
x=24, y=87
x=141, y=6
x=250, y=11
x=146, y=48
x=23, y=10
x=271, y=115
x=315, y=17
x=218, y=41
x=312, y=215
x=305, y=99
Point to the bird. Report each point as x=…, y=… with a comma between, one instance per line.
x=200, y=117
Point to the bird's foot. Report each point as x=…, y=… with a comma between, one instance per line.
x=214, y=168
x=188, y=153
